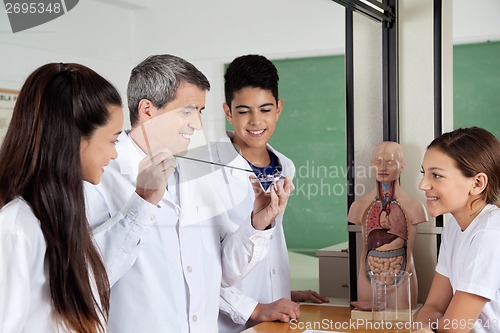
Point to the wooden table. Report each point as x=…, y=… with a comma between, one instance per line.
x=327, y=318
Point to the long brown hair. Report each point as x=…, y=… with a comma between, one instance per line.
x=58, y=105
x=474, y=150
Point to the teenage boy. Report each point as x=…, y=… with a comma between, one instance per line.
x=253, y=108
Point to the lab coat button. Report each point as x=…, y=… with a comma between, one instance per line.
x=152, y=217
x=195, y=318
x=271, y=237
x=189, y=269
x=274, y=271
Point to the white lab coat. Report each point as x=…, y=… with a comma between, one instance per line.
x=270, y=280
x=25, y=301
x=166, y=263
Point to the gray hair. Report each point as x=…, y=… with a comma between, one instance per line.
x=157, y=79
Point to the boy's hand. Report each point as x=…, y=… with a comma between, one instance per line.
x=283, y=310
x=267, y=206
x=308, y=295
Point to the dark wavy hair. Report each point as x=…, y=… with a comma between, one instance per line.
x=58, y=105
x=474, y=150
x=251, y=70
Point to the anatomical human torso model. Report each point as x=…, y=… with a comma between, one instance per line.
x=388, y=217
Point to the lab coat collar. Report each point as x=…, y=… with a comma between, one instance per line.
x=130, y=154
x=241, y=162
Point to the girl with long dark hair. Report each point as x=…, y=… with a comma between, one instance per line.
x=63, y=130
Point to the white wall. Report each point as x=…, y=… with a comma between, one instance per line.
x=201, y=30
x=475, y=21
x=95, y=34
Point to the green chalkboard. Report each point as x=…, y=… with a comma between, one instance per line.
x=311, y=131
x=476, y=86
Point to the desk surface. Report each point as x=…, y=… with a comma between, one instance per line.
x=326, y=318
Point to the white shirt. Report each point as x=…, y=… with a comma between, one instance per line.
x=167, y=263
x=25, y=301
x=471, y=260
x=270, y=280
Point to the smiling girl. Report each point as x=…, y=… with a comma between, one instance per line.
x=63, y=131
x=461, y=176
